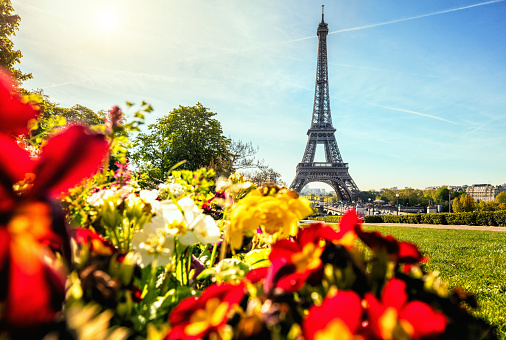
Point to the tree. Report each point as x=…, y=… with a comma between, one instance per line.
x=8, y=55
x=442, y=194
x=188, y=133
x=500, y=198
x=263, y=175
x=464, y=203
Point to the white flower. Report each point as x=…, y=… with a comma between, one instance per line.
x=175, y=189
x=190, y=227
x=96, y=199
x=150, y=245
x=150, y=196
x=124, y=191
x=200, y=227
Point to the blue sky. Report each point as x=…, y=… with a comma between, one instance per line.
x=418, y=88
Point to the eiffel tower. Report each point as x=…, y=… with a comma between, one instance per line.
x=333, y=171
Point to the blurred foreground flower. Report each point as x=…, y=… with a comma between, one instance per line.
x=30, y=227
x=198, y=318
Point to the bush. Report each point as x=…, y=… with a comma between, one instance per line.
x=461, y=218
x=500, y=217
x=433, y=219
x=487, y=218
x=373, y=219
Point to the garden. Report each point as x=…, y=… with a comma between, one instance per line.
x=92, y=250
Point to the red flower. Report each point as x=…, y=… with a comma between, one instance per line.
x=347, y=224
x=256, y=275
x=293, y=263
x=34, y=289
x=198, y=317
x=32, y=286
x=14, y=114
x=98, y=245
x=416, y=318
x=401, y=252
x=338, y=317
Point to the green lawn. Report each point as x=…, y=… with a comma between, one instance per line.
x=473, y=260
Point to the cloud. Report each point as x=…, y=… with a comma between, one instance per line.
x=413, y=112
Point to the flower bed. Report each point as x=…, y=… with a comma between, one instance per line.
x=194, y=258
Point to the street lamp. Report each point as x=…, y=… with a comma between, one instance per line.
x=398, y=208
x=369, y=199
x=449, y=200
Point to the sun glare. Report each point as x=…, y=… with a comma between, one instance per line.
x=107, y=21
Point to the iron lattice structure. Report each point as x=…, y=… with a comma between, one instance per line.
x=333, y=171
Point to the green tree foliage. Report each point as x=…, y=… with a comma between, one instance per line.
x=500, y=198
x=485, y=206
x=189, y=133
x=8, y=55
x=79, y=114
x=442, y=194
x=464, y=203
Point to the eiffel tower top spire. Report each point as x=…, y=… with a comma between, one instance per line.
x=321, y=110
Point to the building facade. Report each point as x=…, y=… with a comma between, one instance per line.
x=484, y=192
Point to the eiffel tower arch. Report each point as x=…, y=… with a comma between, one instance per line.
x=333, y=171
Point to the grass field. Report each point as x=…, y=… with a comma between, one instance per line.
x=473, y=260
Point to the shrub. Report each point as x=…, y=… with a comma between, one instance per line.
x=500, y=217
x=485, y=218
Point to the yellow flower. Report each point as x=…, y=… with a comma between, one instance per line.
x=276, y=210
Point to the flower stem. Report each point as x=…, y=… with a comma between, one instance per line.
x=190, y=254
x=213, y=255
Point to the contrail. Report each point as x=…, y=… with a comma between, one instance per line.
x=416, y=17
x=400, y=20
x=414, y=113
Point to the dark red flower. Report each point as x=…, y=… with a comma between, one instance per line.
x=198, y=317
x=34, y=285
x=97, y=243
x=294, y=262
x=416, y=318
x=136, y=294
x=401, y=252
x=338, y=317
x=14, y=114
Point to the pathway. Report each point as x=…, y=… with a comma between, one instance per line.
x=431, y=226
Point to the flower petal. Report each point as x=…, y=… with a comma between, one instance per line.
x=344, y=306
x=14, y=114
x=67, y=158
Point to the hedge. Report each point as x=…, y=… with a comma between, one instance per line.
x=486, y=218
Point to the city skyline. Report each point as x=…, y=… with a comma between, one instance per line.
x=417, y=90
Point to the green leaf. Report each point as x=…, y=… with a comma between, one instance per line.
x=206, y=273
x=258, y=258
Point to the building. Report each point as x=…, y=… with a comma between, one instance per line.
x=485, y=192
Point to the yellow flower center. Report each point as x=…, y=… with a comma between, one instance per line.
x=387, y=323
x=211, y=316
x=334, y=330
x=308, y=258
